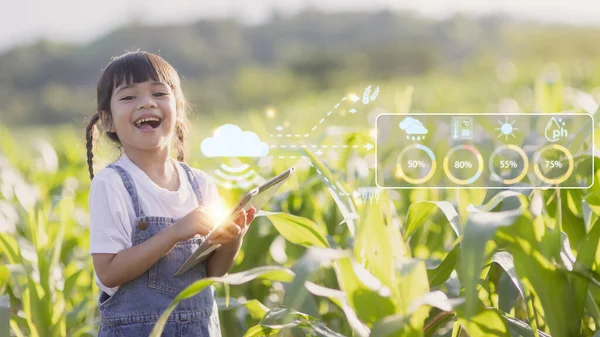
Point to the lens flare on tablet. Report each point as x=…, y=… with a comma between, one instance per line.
x=218, y=213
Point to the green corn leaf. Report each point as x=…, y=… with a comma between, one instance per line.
x=486, y=323
x=4, y=277
x=14, y=326
x=379, y=243
x=280, y=318
x=420, y=212
x=299, y=290
x=519, y=328
x=255, y=308
x=338, y=191
x=298, y=230
x=297, y=295
x=440, y=274
x=266, y=273
x=505, y=260
x=32, y=311
x=261, y=331
x=367, y=296
x=8, y=245
x=339, y=298
x=550, y=284
x=480, y=228
x=586, y=256
x=403, y=325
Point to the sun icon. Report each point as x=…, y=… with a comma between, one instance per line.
x=506, y=128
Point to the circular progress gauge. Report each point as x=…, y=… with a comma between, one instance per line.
x=463, y=164
x=510, y=163
x=401, y=173
x=553, y=164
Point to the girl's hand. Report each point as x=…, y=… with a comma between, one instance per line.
x=198, y=221
x=234, y=230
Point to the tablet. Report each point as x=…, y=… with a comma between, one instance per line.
x=257, y=198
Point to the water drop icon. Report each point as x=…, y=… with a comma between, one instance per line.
x=554, y=131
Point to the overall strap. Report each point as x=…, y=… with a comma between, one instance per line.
x=194, y=182
x=128, y=182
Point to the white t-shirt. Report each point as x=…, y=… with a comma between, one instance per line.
x=112, y=216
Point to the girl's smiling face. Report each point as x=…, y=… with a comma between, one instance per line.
x=143, y=115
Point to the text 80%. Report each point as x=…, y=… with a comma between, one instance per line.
x=463, y=164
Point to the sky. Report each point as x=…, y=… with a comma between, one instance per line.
x=79, y=21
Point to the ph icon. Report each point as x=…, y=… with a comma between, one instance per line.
x=555, y=130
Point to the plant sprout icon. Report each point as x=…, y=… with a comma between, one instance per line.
x=369, y=194
x=365, y=195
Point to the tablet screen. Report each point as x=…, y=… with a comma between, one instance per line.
x=265, y=192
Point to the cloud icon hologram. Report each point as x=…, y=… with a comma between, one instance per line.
x=406, y=122
x=416, y=129
x=413, y=126
x=230, y=141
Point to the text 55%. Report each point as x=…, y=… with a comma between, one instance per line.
x=508, y=164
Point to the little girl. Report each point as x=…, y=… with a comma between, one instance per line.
x=148, y=211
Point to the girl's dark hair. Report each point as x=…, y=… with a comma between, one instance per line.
x=129, y=68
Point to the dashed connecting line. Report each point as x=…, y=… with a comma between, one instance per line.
x=290, y=157
x=353, y=98
x=289, y=135
x=367, y=97
x=338, y=190
x=329, y=183
x=367, y=146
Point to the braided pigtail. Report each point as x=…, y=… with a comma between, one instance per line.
x=91, y=136
x=181, y=133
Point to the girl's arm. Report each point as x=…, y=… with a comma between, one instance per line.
x=222, y=259
x=116, y=269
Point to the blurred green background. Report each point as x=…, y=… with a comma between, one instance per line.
x=229, y=67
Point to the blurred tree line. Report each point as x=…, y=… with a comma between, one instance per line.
x=228, y=66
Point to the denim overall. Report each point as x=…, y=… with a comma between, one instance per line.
x=136, y=306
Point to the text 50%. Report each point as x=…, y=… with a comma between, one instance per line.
x=416, y=163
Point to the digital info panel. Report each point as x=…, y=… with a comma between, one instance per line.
x=498, y=151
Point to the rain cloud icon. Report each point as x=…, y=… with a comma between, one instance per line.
x=230, y=141
x=413, y=126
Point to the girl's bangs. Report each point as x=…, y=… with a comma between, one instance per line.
x=137, y=67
